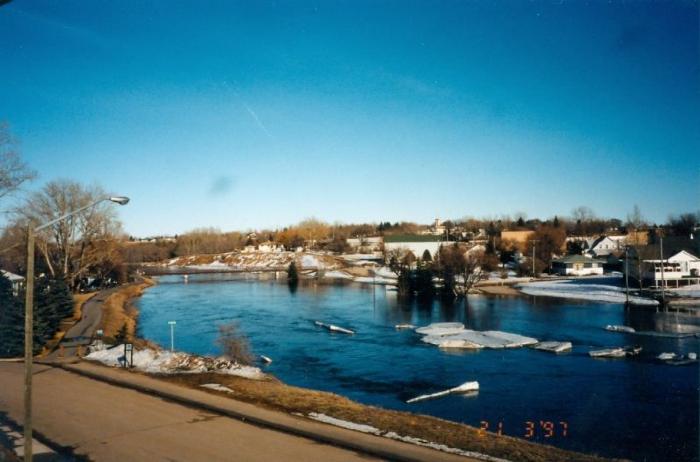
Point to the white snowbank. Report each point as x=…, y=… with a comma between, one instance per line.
x=692, y=291
x=217, y=387
x=344, y=423
x=406, y=439
x=309, y=261
x=335, y=274
x=582, y=289
x=166, y=362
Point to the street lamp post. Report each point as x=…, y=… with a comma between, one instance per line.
x=29, y=317
x=172, y=335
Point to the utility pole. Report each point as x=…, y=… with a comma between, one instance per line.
x=663, y=280
x=29, y=316
x=28, y=344
x=534, y=244
x=627, y=278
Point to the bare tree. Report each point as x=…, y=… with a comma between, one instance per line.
x=234, y=344
x=13, y=171
x=472, y=271
x=635, y=220
x=70, y=247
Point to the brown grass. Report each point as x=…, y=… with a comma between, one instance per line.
x=78, y=302
x=118, y=309
x=275, y=395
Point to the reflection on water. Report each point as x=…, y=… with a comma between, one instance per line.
x=635, y=408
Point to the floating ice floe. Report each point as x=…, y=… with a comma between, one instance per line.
x=454, y=335
x=404, y=326
x=266, y=359
x=666, y=356
x=334, y=328
x=466, y=387
x=608, y=353
x=441, y=328
x=554, y=347
x=626, y=329
x=168, y=362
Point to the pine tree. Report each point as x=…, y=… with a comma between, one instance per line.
x=556, y=221
x=426, y=256
x=122, y=335
x=11, y=321
x=292, y=273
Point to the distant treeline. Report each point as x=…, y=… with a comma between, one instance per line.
x=316, y=234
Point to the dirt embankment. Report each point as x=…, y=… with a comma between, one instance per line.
x=274, y=394
x=119, y=311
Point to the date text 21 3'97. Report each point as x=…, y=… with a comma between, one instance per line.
x=530, y=429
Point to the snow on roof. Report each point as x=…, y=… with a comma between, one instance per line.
x=12, y=276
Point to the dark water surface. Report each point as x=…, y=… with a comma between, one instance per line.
x=635, y=408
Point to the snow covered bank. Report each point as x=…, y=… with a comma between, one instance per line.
x=166, y=362
x=598, y=289
x=406, y=439
x=692, y=291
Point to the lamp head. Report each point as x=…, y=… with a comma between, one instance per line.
x=121, y=200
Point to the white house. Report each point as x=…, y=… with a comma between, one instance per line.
x=681, y=268
x=415, y=243
x=602, y=246
x=678, y=265
x=577, y=265
x=16, y=280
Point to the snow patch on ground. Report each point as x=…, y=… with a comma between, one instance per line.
x=217, y=387
x=167, y=362
x=344, y=423
x=406, y=439
x=310, y=261
x=442, y=447
x=595, y=289
x=692, y=291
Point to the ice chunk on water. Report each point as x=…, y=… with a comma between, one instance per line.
x=441, y=328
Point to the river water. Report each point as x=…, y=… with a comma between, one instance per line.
x=636, y=408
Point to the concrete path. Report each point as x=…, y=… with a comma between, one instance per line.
x=81, y=333
x=107, y=422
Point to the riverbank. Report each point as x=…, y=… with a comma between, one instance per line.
x=271, y=393
x=119, y=312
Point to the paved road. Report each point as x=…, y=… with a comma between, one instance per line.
x=81, y=333
x=109, y=423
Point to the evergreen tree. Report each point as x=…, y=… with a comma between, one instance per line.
x=426, y=256
x=11, y=321
x=556, y=221
x=122, y=335
x=292, y=273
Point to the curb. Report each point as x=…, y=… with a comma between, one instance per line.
x=343, y=443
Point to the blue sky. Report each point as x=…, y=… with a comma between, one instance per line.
x=246, y=115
